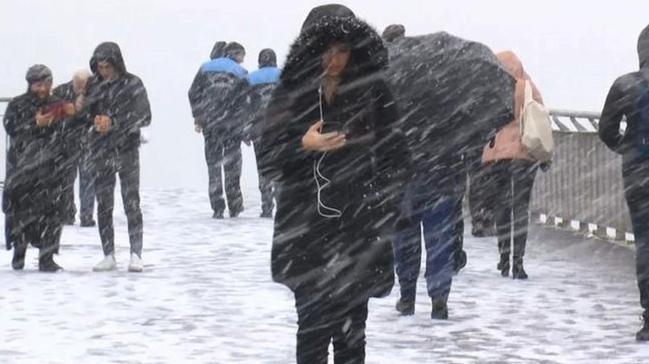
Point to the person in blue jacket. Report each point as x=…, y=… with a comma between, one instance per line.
x=262, y=83
x=218, y=98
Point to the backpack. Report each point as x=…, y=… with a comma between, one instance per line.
x=536, y=128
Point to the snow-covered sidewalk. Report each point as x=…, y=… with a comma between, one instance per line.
x=206, y=297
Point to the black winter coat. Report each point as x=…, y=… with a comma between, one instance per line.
x=629, y=97
x=351, y=253
x=454, y=96
x=34, y=177
x=124, y=100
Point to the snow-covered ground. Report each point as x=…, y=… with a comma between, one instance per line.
x=206, y=297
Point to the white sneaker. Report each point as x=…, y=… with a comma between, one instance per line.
x=106, y=265
x=136, y=265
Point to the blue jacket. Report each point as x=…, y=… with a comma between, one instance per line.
x=218, y=97
x=262, y=83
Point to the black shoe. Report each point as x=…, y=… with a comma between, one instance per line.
x=643, y=334
x=406, y=307
x=88, y=223
x=18, y=262
x=518, y=272
x=218, y=215
x=234, y=213
x=266, y=215
x=48, y=265
x=503, y=265
x=460, y=261
x=440, y=308
x=477, y=230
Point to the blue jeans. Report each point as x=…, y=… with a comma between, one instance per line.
x=437, y=217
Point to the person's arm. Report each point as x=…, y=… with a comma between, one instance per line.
x=614, y=110
x=196, y=98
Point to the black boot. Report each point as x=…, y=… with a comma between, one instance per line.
x=440, y=309
x=503, y=265
x=88, y=222
x=643, y=334
x=218, y=215
x=47, y=264
x=406, y=307
x=18, y=262
x=518, y=272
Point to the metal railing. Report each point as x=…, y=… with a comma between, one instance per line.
x=585, y=182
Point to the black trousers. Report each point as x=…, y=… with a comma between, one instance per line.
x=512, y=182
x=126, y=164
x=323, y=319
x=79, y=163
x=637, y=195
x=224, y=153
x=482, y=213
x=265, y=186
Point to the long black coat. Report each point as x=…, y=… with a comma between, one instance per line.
x=34, y=178
x=351, y=253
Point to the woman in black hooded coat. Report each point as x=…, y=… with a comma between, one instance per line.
x=336, y=209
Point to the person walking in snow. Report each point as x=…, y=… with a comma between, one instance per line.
x=218, y=100
x=331, y=145
x=629, y=97
x=262, y=83
x=77, y=153
x=511, y=173
x=35, y=177
x=118, y=107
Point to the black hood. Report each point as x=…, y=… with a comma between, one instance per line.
x=303, y=64
x=643, y=48
x=218, y=50
x=108, y=51
x=330, y=10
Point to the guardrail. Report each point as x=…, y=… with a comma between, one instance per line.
x=584, y=184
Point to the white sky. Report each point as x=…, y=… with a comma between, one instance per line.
x=573, y=49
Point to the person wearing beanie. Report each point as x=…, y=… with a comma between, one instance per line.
x=77, y=152
x=217, y=98
x=117, y=106
x=262, y=84
x=34, y=176
x=629, y=98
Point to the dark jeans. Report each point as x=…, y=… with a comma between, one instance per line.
x=79, y=164
x=127, y=165
x=637, y=197
x=226, y=153
x=438, y=220
x=265, y=187
x=512, y=182
x=323, y=318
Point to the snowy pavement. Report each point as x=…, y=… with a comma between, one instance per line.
x=206, y=297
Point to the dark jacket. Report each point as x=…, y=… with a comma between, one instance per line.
x=75, y=129
x=217, y=97
x=262, y=84
x=34, y=178
x=124, y=100
x=454, y=96
x=629, y=97
x=352, y=252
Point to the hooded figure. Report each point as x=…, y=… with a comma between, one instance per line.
x=629, y=98
x=262, y=83
x=34, y=177
x=218, y=99
x=335, y=210
x=118, y=104
x=454, y=95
